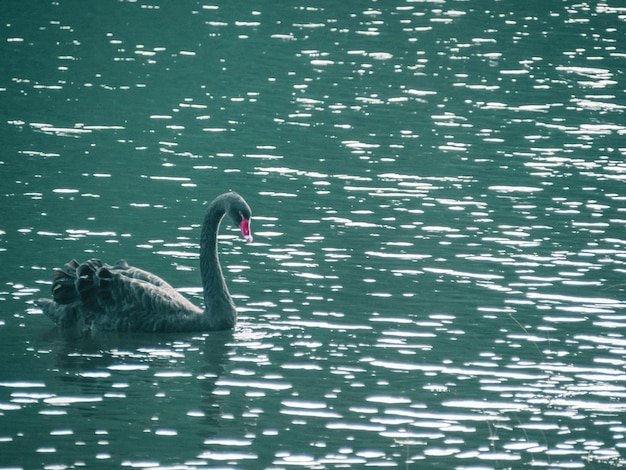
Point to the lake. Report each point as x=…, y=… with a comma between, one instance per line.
x=439, y=208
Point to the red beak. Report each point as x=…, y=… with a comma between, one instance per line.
x=244, y=226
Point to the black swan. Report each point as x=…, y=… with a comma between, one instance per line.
x=94, y=296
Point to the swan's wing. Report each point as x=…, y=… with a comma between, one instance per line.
x=122, y=267
x=94, y=295
x=134, y=304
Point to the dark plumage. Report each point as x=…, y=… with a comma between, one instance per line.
x=100, y=297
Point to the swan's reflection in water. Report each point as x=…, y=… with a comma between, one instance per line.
x=135, y=393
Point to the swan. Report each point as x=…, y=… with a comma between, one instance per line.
x=94, y=296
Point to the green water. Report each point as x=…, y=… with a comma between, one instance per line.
x=438, y=210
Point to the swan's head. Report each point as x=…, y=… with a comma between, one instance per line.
x=241, y=214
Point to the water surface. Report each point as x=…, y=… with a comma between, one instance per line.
x=437, y=274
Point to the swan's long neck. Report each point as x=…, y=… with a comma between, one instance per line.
x=219, y=308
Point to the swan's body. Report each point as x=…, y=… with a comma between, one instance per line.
x=99, y=297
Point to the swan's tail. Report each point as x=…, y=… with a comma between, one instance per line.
x=65, y=316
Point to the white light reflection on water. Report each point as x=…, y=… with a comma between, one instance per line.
x=436, y=275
